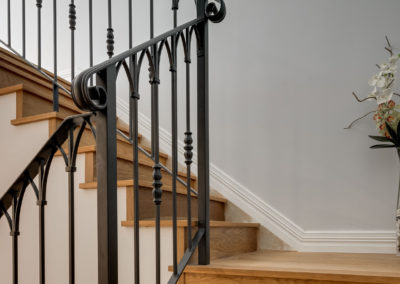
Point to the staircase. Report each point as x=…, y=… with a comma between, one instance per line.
x=33, y=103
x=113, y=208
x=233, y=246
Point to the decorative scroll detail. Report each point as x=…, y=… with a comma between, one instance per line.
x=110, y=42
x=72, y=16
x=157, y=184
x=93, y=100
x=214, y=14
x=188, y=148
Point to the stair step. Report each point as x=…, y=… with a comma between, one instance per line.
x=297, y=267
x=125, y=171
x=217, y=204
x=226, y=238
x=57, y=118
x=123, y=153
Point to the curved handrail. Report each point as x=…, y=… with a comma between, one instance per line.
x=55, y=141
x=82, y=93
x=87, y=98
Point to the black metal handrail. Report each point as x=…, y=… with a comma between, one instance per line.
x=40, y=167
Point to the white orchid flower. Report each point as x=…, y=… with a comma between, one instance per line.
x=377, y=81
x=384, y=96
x=388, y=69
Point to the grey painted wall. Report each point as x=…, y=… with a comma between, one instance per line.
x=281, y=77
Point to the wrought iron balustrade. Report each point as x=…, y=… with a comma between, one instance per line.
x=98, y=98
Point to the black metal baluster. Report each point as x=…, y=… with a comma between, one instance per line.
x=106, y=157
x=130, y=23
x=157, y=184
x=9, y=21
x=153, y=49
x=13, y=223
x=23, y=29
x=71, y=169
x=188, y=141
x=134, y=132
x=134, y=98
x=91, y=38
x=42, y=203
x=55, y=85
x=14, y=234
x=174, y=126
x=39, y=27
x=203, y=136
x=72, y=27
x=110, y=32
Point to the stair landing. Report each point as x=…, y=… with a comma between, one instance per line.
x=298, y=268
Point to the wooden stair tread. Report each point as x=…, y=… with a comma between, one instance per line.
x=183, y=223
x=11, y=89
x=92, y=148
x=17, y=66
x=146, y=184
x=56, y=115
x=36, y=118
x=346, y=267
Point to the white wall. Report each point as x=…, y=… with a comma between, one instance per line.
x=281, y=77
x=282, y=98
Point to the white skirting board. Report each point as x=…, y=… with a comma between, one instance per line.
x=361, y=241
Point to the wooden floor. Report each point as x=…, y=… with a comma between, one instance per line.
x=295, y=267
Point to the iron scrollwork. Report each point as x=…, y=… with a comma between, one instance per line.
x=214, y=14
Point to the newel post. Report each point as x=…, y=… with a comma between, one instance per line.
x=106, y=163
x=203, y=136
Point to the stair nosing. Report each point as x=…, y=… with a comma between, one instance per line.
x=183, y=223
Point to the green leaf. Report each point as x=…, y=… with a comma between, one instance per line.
x=392, y=133
x=398, y=127
x=380, y=146
x=380, y=138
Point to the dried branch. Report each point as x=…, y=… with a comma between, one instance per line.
x=361, y=117
x=391, y=82
x=363, y=100
x=389, y=48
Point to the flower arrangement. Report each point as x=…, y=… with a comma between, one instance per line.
x=387, y=114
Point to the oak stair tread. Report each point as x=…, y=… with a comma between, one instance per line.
x=298, y=266
x=149, y=185
x=183, y=223
x=60, y=116
x=92, y=148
